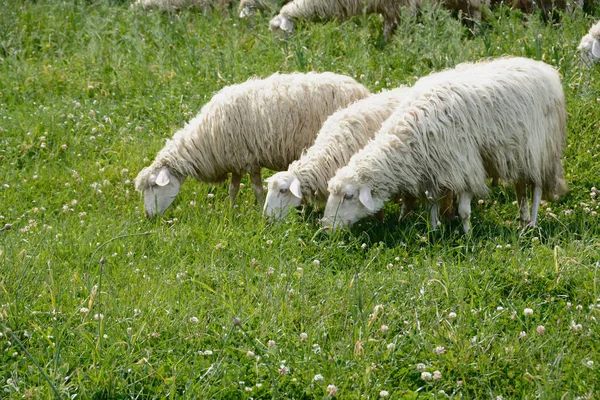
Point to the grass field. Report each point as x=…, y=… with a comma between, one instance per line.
x=97, y=302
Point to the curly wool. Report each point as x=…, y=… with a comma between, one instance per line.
x=342, y=135
x=259, y=123
x=504, y=118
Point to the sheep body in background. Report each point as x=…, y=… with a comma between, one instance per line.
x=590, y=45
x=504, y=118
x=343, y=134
x=259, y=123
x=181, y=4
x=344, y=9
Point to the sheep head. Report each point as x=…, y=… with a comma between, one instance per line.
x=590, y=49
x=283, y=194
x=349, y=203
x=281, y=23
x=159, y=186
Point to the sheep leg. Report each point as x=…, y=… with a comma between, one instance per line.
x=464, y=210
x=234, y=186
x=407, y=205
x=535, y=204
x=389, y=27
x=521, y=192
x=257, y=187
x=433, y=215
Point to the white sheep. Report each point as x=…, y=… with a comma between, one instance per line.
x=504, y=118
x=344, y=9
x=182, y=4
x=248, y=8
x=590, y=45
x=343, y=134
x=258, y=123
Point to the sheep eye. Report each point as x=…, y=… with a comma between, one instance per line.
x=283, y=191
x=348, y=196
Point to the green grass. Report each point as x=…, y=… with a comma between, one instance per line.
x=88, y=93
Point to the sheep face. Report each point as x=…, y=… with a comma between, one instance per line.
x=281, y=23
x=349, y=205
x=590, y=49
x=283, y=194
x=160, y=189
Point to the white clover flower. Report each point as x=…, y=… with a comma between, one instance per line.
x=440, y=350
x=194, y=320
x=575, y=327
x=332, y=390
x=540, y=329
x=391, y=346
x=452, y=315
x=384, y=393
x=522, y=334
x=303, y=336
x=250, y=354
x=318, y=378
x=589, y=363
x=384, y=328
x=426, y=376
x=84, y=310
x=527, y=312
x=316, y=263
x=421, y=367
x=283, y=370
x=271, y=343
x=437, y=375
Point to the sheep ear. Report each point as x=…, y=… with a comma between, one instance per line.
x=596, y=48
x=366, y=199
x=163, y=178
x=295, y=188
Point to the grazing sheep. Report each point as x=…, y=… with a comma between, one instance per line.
x=590, y=45
x=248, y=8
x=342, y=135
x=259, y=123
x=344, y=9
x=181, y=4
x=504, y=118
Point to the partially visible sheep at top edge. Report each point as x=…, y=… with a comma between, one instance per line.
x=248, y=8
x=181, y=4
x=590, y=45
x=259, y=123
x=343, y=134
x=344, y=9
x=504, y=118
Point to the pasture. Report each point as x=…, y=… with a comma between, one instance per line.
x=209, y=301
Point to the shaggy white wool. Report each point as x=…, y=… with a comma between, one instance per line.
x=343, y=134
x=503, y=118
x=259, y=123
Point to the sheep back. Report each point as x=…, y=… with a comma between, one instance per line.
x=258, y=123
